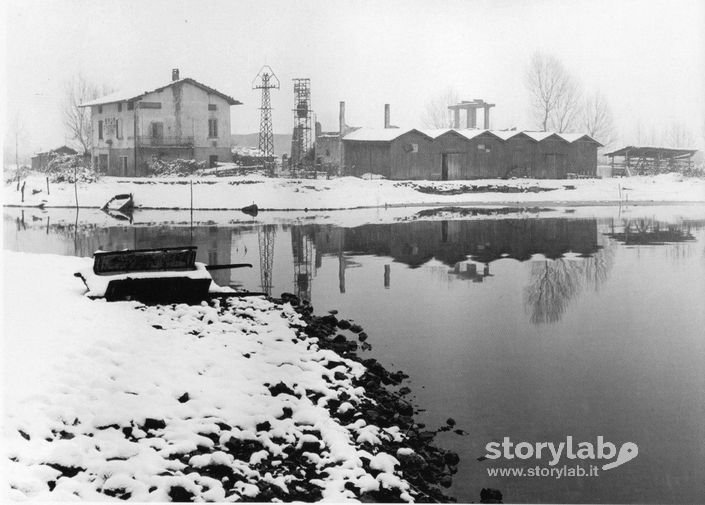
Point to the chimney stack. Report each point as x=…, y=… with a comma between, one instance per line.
x=386, y=116
x=341, y=119
x=175, y=74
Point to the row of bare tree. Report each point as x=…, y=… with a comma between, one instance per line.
x=558, y=103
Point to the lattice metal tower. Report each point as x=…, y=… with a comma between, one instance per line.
x=265, y=236
x=265, y=81
x=301, y=139
x=303, y=253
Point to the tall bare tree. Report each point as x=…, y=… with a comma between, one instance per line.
x=678, y=135
x=596, y=118
x=77, y=120
x=555, y=94
x=436, y=113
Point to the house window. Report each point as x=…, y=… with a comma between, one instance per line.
x=100, y=109
x=212, y=128
x=212, y=106
x=123, y=165
x=130, y=105
x=119, y=107
x=150, y=105
x=100, y=130
x=157, y=130
x=118, y=128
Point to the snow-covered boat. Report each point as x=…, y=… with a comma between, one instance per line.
x=163, y=275
x=123, y=203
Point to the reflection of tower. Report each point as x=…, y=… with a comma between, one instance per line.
x=302, y=249
x=301, y=139
x=267, y=81
x=265, y=237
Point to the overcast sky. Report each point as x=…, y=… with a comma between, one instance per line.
x=647, y=57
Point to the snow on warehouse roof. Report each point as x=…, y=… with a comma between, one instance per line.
x=390, y=134
x=539, y=136
x=135, y=93
x=379, y=134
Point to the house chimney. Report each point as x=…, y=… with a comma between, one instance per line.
x=175, y=74
x=386, y=116
x=341, y=119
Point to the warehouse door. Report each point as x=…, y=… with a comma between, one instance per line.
x=450, y=166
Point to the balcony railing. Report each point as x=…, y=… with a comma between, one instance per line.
x=149, y=141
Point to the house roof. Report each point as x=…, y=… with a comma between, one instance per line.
x=135, y=93
x=59, y=150
x=389, y=134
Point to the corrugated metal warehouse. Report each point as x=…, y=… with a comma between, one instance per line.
x=452, y=154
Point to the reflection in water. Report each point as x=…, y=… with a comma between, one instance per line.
x=468, y=247
x=265, y=239
x=554, y=284
x=651, y=232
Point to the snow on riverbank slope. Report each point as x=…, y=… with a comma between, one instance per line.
x=351, y=192
x=214, y=402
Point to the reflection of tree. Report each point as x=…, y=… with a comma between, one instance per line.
x=555, y=283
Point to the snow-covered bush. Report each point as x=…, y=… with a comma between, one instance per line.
x=63, y=167
x=179, y=167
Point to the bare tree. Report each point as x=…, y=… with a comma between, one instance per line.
x=77, y=120
x=597, y=118
x=678, y=135
x=555, y=94
x=436, y=113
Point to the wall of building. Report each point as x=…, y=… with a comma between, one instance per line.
x=184, y=113
x=414, y=156
x=582, y=159
x=328, y=149
x=367, y=157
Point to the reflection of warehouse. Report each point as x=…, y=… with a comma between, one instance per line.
x=449, y=154
x=453, y=241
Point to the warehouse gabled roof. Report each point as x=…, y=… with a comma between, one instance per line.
x=390, y=134
x=381, y=134
x=134, y=94
x=652, y=152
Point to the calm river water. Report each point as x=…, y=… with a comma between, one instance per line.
x=528, y=327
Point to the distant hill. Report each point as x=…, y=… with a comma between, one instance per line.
x=282, y=142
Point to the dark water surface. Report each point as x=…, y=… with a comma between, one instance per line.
x=530, y=328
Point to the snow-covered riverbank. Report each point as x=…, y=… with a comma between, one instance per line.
x=351, y=192
x=224, y=401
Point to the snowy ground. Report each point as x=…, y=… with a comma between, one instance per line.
x=218, y=402
x=351, y=192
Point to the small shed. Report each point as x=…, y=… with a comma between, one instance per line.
x=648, y=160
x=41, y=160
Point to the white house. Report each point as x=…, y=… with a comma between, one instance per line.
x=183, y=119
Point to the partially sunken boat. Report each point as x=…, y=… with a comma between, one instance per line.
x=164, y=275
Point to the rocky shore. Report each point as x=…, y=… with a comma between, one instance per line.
x=235, y=399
